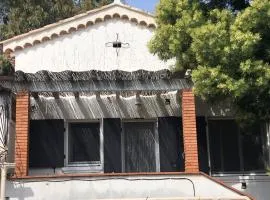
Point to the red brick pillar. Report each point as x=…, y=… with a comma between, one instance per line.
x=190, y=132
x=22, y=130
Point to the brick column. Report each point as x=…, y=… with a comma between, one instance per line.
x=190, y=132
x=22, y=130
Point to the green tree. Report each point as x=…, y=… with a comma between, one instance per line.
x=27, y=15
x=234, y=5
x=229, y=52
x=3, y=10
x=23, y=19
x=85, y=5
x=57, y=9
x=176, y=21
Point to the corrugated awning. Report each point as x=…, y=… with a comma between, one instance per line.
x=95, y=81
x=44, y=75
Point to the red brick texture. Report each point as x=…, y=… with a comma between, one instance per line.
x=22, y=130
x=190, y=132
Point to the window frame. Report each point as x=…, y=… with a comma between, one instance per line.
x=89, y=166
x=240, y=147
x=156, y=133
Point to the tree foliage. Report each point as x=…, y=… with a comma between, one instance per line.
x=6, y=67
x=25, y=15
x=234, y=5
x=4, y=5
x=228, y=51
x=84, y=5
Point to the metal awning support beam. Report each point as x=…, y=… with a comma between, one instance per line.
x=35, y=95
x=56, y=95
x=76, y=95
x=98, y=95
x=117, y=95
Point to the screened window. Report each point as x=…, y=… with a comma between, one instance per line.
x=171, y=145
x=46, y=144
x=140, y=147
x=107, y=145
x=235, y=149
x=143, y=146
x=84, y=142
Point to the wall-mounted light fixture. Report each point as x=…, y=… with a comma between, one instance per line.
x=117, y=44
x=167, y=101
x=243, y=185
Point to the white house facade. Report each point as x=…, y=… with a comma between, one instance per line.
x=100, y=117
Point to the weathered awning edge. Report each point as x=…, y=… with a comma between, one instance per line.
x=97, y=86
x=95, y=81
x=67, y=75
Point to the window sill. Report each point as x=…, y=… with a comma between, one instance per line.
x=234, y=174
x=86, y=168
x=72, y=169
x=102, y=175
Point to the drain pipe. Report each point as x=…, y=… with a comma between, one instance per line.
x=4, y=168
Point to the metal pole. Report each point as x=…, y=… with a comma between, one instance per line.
x=3, y=182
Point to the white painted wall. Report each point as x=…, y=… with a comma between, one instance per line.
x=85, y=50
x=118, y=187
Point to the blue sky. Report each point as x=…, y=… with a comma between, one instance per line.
x=147, y=5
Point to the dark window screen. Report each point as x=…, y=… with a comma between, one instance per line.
x=252, y=148
x=139, y=147
x=224, y=144
x=46, y=148
x=170, y=144
x=202, y=144
x=84, y=142
x=112, y=146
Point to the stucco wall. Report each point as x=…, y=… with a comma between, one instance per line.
x=86, y=50
x=118, y=187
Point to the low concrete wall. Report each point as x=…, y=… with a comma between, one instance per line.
x=119, y=187
x=257, y=186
